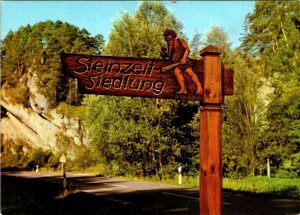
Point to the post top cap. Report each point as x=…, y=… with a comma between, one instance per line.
x=210, y=50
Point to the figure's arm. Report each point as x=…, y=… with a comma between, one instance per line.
x=186, y=50
x=170, y=47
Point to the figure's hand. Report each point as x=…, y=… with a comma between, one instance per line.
x=183, y=61
x=163, y=49
x=163, y=52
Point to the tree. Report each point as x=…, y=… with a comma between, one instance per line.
x=272, y=36
x=195, y=46
x=147, y=141
x=218, y=37
x=243, y=120
x=140, y=35
x=272, y=33
x=243, y=113
x=37, y=49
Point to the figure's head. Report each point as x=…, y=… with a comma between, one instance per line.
x=169, y=34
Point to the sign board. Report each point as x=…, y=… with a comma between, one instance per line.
x=158, y=78
x=135, y=77
x=63, y=159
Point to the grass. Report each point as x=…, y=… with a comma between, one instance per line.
x=187, y=181
x=66, y=193
x=273, y=186
x=71, y=110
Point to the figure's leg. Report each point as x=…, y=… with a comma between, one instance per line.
x=195, y=79
x=180, y=81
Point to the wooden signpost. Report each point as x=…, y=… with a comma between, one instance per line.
x=135, y=77
x=155, y=78
x=211, y=134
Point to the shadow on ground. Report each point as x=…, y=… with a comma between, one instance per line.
x=105, y=196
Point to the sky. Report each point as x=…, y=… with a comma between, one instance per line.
x=97, y=16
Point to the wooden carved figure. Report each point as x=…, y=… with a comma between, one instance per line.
x=178, y=52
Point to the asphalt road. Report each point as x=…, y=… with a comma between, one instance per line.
x=149, y=198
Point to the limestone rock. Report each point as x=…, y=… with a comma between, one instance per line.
x=38, y=102
x=39, y=130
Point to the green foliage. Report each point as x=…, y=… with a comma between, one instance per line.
x=16, y=91
x=86, y=160
x=290, y=167
x=272, y=35
x=15, y=154
x=152, y=137
x=138, y=136
x=242, y=136
x=248, y=125
x=52, y=161
x=142, y=139
x=262, y=119
x=274, y=186
x=18, y=154
x=37, y=49
x=39, y=157
x=140, y=35
x=243, y=114
x=195, y=46
x=218, y=37
x=72, y=111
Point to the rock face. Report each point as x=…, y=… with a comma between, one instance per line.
x=38, y=102
x=39, y=126
x=39, y=130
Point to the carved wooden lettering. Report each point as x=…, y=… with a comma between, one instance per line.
x=136, y=77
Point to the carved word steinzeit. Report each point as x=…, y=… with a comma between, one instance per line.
x=108, y=74
x=135, y=77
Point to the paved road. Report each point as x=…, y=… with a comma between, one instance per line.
x=150, y=198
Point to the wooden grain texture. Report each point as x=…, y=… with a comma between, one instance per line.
x=212, y=80
x=211, y=133
x=135, y=77
x=212, y=75
x=210, y=50
x=210, y=160
x=123, y=76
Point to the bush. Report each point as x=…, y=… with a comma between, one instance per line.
x=84, y=159
x=17, y=92
x=39, y=157
x=286, y=173
x=53, y=161
x=15, y=153
x=72, y=111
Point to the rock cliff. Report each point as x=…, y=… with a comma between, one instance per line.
x=37, y=125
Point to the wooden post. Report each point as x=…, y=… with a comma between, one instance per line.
x=211, y=134
x=64, y=176
x=268, y=168
x=116, y=78
x=63, y=160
